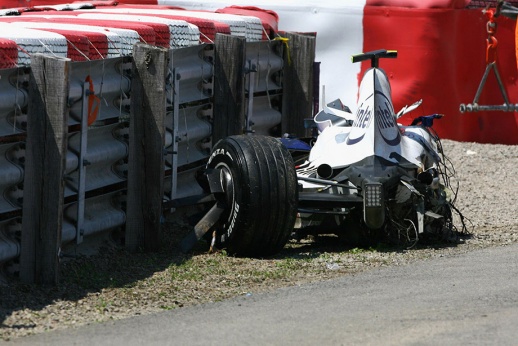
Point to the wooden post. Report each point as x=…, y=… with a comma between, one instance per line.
x=146, y=148
x=45, y=156
x=297, y=101
x=229, y=86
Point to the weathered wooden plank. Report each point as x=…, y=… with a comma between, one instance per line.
x=229, y=86
x=146, y=148
x=297, y=103
x=45, y=152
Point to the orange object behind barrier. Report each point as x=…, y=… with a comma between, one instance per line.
x=93, y=102
x=441, y=59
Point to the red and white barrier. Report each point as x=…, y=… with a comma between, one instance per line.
x=441, y=56
x=441, y=53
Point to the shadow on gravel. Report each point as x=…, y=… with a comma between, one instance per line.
x=318, y=244
x=113, y=267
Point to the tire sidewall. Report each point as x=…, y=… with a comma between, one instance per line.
x=225, y=155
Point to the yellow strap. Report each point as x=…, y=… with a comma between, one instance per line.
x=285, y=40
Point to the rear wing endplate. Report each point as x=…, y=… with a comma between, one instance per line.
x=374, y=56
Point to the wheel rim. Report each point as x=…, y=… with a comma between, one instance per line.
x=227, y=181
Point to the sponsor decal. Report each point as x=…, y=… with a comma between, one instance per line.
x=219, y=152
x=232, y=218
x=385, y=121
x=384, y=118
x=362, y=121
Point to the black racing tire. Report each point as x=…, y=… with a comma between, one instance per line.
x=260, y=194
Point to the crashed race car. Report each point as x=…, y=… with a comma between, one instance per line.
x=365, y=178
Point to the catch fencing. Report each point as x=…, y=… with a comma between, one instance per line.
x=107, y=146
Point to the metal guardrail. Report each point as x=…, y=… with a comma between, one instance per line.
x=264, y=65
x=102, y=213
x=105, y=153
x=10, y=231
x=110, y=83
x=13, y=100
x=11, y=177
x=100, y=153
x=105, y=156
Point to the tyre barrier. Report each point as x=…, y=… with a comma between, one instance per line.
x=8, y=53
x=118, y=40
x=32, y=41
x=248, y=27
x=189, y=115
x=107, y=148
x=161, y=31
x=207, y=27
x=181, y=33
x=77, y=44
x=146, y=34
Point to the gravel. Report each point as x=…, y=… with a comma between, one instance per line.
x=113, y=284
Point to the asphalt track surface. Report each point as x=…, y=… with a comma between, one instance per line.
x=468, y=299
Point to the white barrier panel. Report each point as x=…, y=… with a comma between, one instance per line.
x=339, y=29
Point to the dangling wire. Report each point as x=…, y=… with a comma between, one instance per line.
x=447, y=171
x=78, y=50
x=95, y=48
x=48, y=48
x=208, y=39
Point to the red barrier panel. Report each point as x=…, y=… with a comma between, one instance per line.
x=146, y=33
x=269, y=19
x=441, y=59
x=97, y=43
x=160, y=31
x=8, y=53
x=420, y=3
x=208, y=28
x=77, y=44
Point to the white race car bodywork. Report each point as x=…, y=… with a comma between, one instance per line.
x=368, y=162
x=365, y=177
x=374, y=132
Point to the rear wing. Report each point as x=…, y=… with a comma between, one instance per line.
x=374, y=56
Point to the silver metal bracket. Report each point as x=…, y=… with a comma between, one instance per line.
x=475, y=107
x=251, y=70
x=81, y=181
x=174, y=152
